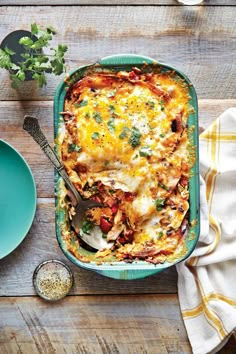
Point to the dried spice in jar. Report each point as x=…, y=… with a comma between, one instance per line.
x=52, y=280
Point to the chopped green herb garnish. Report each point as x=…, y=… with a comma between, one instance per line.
x=81, y=103
x=159, y=203
x=106, y=163
x=87, y=226
x=95, y=136
x=135, y=136
x=163, y=186
x=97, y=117
x=162, y=135
x=151, y=104
x=87, y=115
x=124, y=132
x=74, y=147
x=93, y=189
x=145, y=151
x=160, y=234
x=162, y=103
x=111, y=125
x=111, y=108
x=123, y=135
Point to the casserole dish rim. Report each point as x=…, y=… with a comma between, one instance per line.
x=139, y=268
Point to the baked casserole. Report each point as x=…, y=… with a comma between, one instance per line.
x=125, y=142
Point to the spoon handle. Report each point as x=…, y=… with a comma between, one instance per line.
x=31, y=125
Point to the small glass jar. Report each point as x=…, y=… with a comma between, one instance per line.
x=52, y=280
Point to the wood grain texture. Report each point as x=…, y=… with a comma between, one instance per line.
x=200, y=41
x=11, y=121
x=102, y=315
x=114, y=2
x=93, y=325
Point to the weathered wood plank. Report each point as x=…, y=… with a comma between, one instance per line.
x=11, y=120
x=16, y=269
x=200, y=41
x=93, y=324
x=114, y=3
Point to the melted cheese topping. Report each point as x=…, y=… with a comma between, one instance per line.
x=125, y=142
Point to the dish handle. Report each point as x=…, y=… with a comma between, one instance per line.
x=133, y=59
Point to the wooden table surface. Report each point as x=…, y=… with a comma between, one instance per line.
x=102, y=315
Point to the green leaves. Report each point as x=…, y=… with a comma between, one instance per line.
x=26, y=42
x=163, y=186
x=86, y=227
x=20, y=75
x=151, y=104
x=35, y=62
x=111, y=108
x=81, y=104
x=5, y=59
x=162, y=104
x=58, y=61
x=145, y=151
x=61, y=49
x=74, y=147
x=124, y=132
x=135, y=136
x=9, y=51
x=34, y=29
x=97, y=116
x=159, y=203
x=40, y=78
x=111, y=125
x=95, y=136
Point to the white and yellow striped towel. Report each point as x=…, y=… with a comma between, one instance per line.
x=207, y=279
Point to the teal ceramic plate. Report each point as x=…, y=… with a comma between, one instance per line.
x=17, y=198
x=137, y=269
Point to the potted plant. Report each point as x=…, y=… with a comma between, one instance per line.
x=22, y=54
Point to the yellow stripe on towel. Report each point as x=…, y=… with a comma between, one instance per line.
x=216, y=228
x=217, y=296
x=211, y=317
x=210, y=177
x=222, y=137
x=198, y=310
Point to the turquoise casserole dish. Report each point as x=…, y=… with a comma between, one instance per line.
x=137, y=269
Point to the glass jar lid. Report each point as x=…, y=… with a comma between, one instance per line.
x=52, y=280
